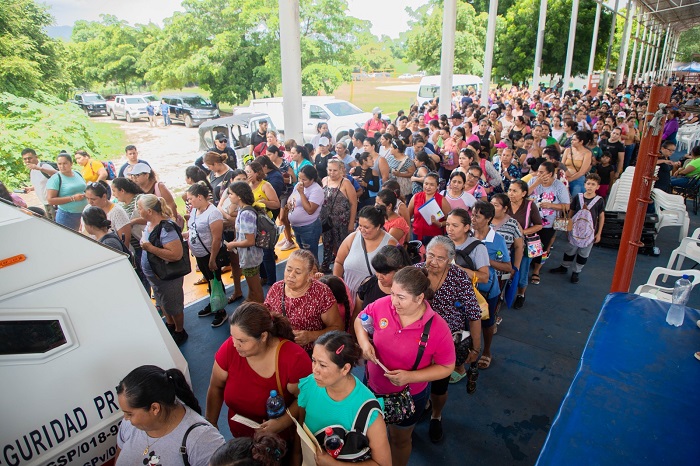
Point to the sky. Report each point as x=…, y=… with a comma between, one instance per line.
x=388, y=17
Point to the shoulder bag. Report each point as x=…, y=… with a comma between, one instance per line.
x=222, y=258
x=563, y=222
x=533, y=241
x=163, y=269
x=355, y=442
x=400, y=406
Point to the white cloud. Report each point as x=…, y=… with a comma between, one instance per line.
x=388, y=17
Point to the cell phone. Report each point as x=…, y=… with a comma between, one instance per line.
x=19, y=191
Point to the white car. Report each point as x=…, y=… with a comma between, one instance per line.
x=406, y=76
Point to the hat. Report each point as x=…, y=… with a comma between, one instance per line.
x=621, y=115
x=501, y=145
x=323, y=141
x=376, y=110
x=221, y=137
x=140, y=168
x=457, y=115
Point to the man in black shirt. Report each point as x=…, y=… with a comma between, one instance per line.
x=257, y=138
x=220, y=147
x=616, y=149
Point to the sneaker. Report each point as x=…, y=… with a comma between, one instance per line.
x=559, y=270
x=205, y=312
x=219, y=319
x=519, y=301
x=574, y=277
x=287, y=245
x=180, y=337
x=435, y=430
x=170, y=327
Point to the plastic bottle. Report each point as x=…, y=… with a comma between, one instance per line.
x=275, y=405
x=333, y=443
x=367, y=323
x=681, y=293
x=472, y=377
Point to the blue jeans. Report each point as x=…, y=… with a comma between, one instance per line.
x=524, y=270
x=308, y=236
x=166, y=119
x=577, y=186
x=68, y=219
x=269, y=265
x=629, y=152
x=680, y=181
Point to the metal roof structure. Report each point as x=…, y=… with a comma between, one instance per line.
x=679, y=14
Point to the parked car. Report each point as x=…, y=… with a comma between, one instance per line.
x=92, y=103
x=192, y=109
x=238, y=129
x=151, y=97
x=340, y=115
x=129, y=107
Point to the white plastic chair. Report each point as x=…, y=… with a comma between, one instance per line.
x=650, y=288
x=686, y=135
x=689, y=248
x=671, y=211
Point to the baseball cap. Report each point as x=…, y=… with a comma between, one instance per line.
x=376, y=110
x=501, y=145
x=221, y=137
x=457, y=115
x=323, y=141
x=621, y=115
x=140, y=168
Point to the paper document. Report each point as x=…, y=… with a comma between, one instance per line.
x=379, y=363
x=431, y=208
x=309, y=444
x=245, y=421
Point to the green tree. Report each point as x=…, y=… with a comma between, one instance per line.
x=320, y=77
x=424, y=40
x=689, y=45
x=29, y=59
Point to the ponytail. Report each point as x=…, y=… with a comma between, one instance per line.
x=183, y=390
x=156, y=204
x=146, y=385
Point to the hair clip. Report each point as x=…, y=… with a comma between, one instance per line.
x=340, y=349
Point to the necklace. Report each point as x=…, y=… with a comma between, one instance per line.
x=149, y=445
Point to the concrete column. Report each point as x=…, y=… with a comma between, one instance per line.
x=540, y=44
x=611, y=39
x=594, y=40
x=630, y=75
x=642, y=48
x=488, y=53
x=626, y=33
x=447, y=57
x=570, y=48
x=290, y=46
x=653, y=69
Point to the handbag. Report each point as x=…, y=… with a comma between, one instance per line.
x=326, y=222
x=533, y=242
x=355, y=442
x=483, y=304
x=563, y=222
x=163, y=269
x=222, y=258
x=512, y=287
x=400, y=406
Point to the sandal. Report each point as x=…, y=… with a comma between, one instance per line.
x=456, y=377
x=201, y=281
x=535, y=280
x=484, y=362
x=233, y=298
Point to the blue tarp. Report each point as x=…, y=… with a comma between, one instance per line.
x=634, y=399
x=693, y=67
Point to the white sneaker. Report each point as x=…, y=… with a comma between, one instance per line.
x=288, y=245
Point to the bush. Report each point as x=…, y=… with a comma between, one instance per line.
x=48, y=125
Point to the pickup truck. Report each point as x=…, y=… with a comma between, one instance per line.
x=91, y=103
x=129, y=107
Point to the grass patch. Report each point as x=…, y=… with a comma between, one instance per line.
x=366, y=95
x=111, y=140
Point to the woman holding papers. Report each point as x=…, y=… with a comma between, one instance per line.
x=259, y=357
x=429, y=209
x=401, y=321
x=332, y=397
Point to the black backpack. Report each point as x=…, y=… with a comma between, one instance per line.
x=54, y=165
x=266, y=234
x=125, y=249
x=462, y=256
x=356, y=444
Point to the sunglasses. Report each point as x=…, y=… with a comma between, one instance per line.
x=222, y=140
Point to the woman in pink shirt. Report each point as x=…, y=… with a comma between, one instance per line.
x=399, y=321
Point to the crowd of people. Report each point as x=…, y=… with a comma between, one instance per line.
x=427, y=224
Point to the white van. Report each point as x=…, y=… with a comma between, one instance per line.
x=74, y=320
x=340, y=115
x=429, y=86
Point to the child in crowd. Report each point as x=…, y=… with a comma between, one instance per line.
x=596, y=205
x=606, y=172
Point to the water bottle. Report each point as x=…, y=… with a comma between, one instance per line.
x=367, y=323
x=332, y=443
x=472, y=377
x=275, y=405
x=681, y=293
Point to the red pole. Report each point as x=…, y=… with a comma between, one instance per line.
x=640, y=193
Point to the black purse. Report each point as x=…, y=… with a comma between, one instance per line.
x=400, y=406
x=163, y=269
x=356, y=444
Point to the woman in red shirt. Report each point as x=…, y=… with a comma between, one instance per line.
x=260, y=356
x=422, y=230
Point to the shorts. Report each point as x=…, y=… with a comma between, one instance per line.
x=251, y=272
x=169, y=295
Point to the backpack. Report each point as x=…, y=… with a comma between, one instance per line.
x=111, y=169
x=356, y=445
x=54, y=165
x=582, y=233
x=266, y=234
x=124, y=249
x=462, y=256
